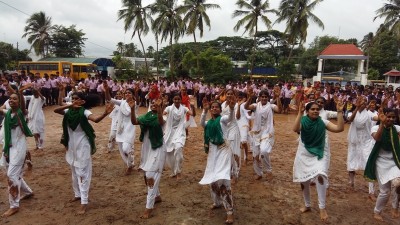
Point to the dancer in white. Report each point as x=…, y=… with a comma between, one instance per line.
x=359, y=138
x=113, y=128
x=36, y=116
x=126, y=131
x=175, y=134
x=243, y=120
x=383, y=163
x=263, y=130
x=153, y=151
x=14, y=151
x=219, y=159
x=233, y=134
x=313, y=152
x=79, y=139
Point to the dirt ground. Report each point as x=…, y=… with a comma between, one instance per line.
x=118, y=199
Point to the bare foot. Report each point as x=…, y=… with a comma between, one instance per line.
x=29, y=164
x=146, y=214
x=27, y=196
x=214, y=206
x=82, y=210
x=75, y=199
x=323, y=214
x=229, y=218
x=178, y=176
x=395, y=213
x=378, y=217
x=128, y=171
x=158, y=199
x=305, y=209
x=10, y=212
x=372, y=197
x=269, y=176
x=257, y=177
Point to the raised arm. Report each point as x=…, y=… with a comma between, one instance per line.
x=132, y=104
x=358, y=103
x=206, y=106
x=248, y=105
x=109, y=108
x=297, y=127
x=159, y=104
x=277, y=99
x=339, y=127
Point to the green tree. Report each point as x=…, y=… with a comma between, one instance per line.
x=237, y=48
x=135, y=17
x=366, y=44
x=9, y=56
x=168, y=24
x=38, y=29
x=297, y=14
x=120, y=48
x=390, y=11
x=252, y=12
x=67, y=42
x=274, y=42
x=384, y=52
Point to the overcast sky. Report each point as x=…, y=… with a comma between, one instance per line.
x=98, y=19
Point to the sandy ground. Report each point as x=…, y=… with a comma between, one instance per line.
x=118, y=199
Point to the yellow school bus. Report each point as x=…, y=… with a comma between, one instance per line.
x=48, y=67
x=83, y=70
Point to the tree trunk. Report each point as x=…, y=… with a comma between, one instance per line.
x=254, y=54
x=171, y=56
x=157, y=59
x=197, y=54
x=144, y=54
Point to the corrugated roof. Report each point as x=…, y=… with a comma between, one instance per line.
x=73, y=60
x=342, y=49
x=393, y=72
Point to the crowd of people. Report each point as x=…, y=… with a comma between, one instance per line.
x=241, y=122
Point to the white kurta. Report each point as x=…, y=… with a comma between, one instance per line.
x=233, y=135
x=78, y=154
x=386, y=169
x=263, y=128
x=175, y=134
x=125, y=129
x=151, y=160
x=35, y=114
x=359, y=140
x=219, y=159
x=243, y=123
x=307, y=166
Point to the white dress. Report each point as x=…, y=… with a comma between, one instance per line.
x=35, y=114
x=151, y=160
x=125, y=129
x=218, y=159
x=233, y=135
x=307, y=166
x=386, y=169
x=175, y=134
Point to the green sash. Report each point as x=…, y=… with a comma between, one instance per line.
x=313, y=135
x=149, y=122
x=9, y=123
x=213, y=133
x=72, y=119
x=389, y=142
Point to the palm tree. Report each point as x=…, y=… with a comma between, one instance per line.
x=135, y=17
x=195, y=17
x=38, y=29
x=390, y=11
x=297, y=14
x=167, y=24
x=252, y=13
x=130, y=50
x=120, y=48
x=150, y=51
x=366, y=43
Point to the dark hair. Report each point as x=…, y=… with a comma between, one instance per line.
x=216, y=102
x=309, y=105
x=264, y=92
x=175, y=94
x=322, y=98
x=91, y=100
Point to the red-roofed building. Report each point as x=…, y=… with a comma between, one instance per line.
x=392, y=78
x=343, y=51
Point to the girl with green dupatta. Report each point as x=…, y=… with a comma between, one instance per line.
x=15, y=149
x=313, y=153
x=153, y=150
x=383, y=163
x=78, y=139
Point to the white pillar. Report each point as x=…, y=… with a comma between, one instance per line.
x=360, y=72
x=319, y=72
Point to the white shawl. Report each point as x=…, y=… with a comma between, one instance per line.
x=263, y=112
x=361, y=121
x=177, y=135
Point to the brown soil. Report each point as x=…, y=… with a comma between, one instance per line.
x=118, y=199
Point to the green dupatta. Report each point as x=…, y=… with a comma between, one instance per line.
x=72, y=119
x=9, y=123
x=389, y=142
x=213, y=133
x=313, y=135
x=149, y=122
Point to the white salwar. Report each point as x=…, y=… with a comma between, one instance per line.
x=113, y=128
x=126, y=132
x=152, y=163
x=15, y=166
x=263, y=137
x=359, y=140
x=386, y=172
x=218, y=169
x=233, y=138
x=36, y=118
x=79, y=158
x=307, y=168
x=175, y=136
